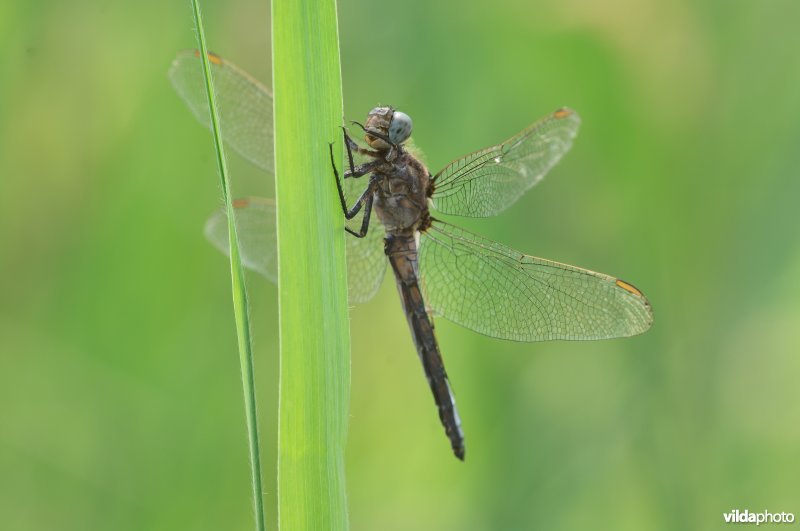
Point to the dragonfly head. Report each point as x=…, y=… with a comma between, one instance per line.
x=385, y=123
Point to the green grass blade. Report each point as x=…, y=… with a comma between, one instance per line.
x=240, y=308
x=314, y=327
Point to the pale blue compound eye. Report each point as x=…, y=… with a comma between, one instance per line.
x=400, y=128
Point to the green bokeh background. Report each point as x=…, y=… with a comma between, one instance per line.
x=120, y=400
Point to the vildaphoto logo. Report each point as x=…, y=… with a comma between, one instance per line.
x=746, y=517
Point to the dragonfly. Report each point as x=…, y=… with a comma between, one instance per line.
x=439, y=268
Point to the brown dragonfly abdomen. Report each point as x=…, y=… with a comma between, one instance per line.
x=402, y=253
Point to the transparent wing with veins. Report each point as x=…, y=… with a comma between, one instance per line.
x=486, y=182
x=245, y=105
x=255, y=228
x=497, y=291
x=255, y=218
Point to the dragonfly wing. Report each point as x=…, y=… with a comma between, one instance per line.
x=245, y=105
x=500, y=292
x=366, y=264
x=488, y=181
x=255, y=227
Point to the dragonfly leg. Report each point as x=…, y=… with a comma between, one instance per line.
x=367, y=212
x=365, y=199
x=351, y=146
x=361, y=169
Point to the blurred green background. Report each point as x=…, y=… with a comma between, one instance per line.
x=120, y=400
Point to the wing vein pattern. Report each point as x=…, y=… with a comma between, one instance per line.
x=245, y=105
x=255, y=221
x=486, y=182
x=500, y=292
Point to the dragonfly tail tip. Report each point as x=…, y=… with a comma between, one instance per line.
x=459, y=452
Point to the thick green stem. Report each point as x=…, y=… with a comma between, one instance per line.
x=314, y=327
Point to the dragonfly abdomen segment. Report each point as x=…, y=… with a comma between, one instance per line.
x=402, y=253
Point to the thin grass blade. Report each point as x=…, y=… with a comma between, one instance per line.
x=240, y=308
